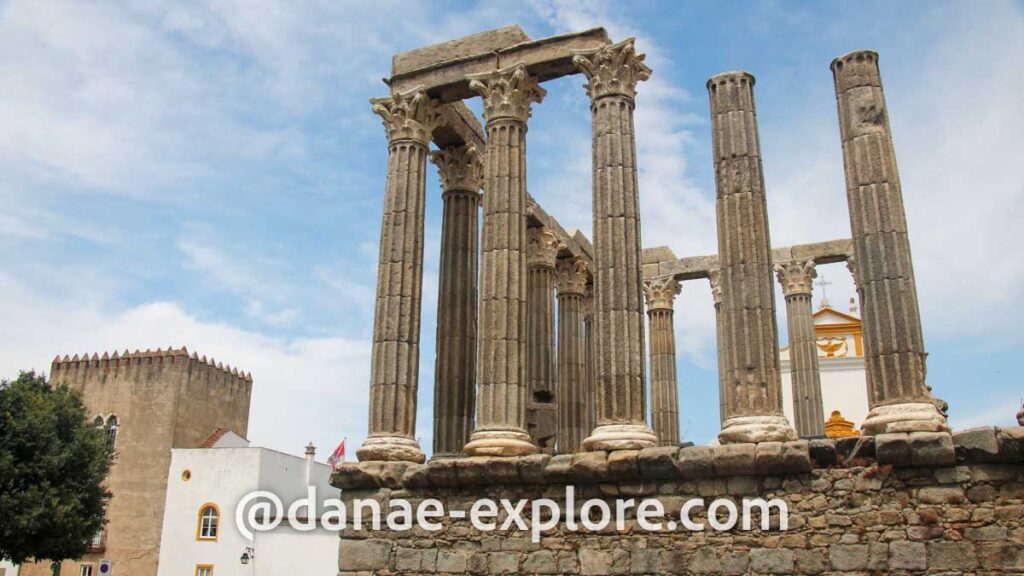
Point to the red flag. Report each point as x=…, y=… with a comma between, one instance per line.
x=338, y=457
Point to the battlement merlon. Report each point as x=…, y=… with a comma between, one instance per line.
x=447, y=80
x=66, y=363
x=660, y=261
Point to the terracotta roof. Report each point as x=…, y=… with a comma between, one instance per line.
x=214, y=437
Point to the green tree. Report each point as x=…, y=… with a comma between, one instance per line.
x=52, y=465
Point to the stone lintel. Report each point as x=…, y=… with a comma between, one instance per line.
x=696, y=267
x=486, y=41
x=574, y=243
x=547, y=59
x=459, y=126
x=920, y=450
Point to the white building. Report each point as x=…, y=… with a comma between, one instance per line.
x=200, y=536
x=841, y=362
x=8, y=569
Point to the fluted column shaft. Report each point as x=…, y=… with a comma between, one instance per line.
x=613, y=72
x=753, y=385
x=572, y=352
x=590, y=362
x=662, y=349
x=714, y=276
x=894, y=354
x=501, y=399
x=461, y=172
x=541, y=414
x=408, y=120
x=796, y=279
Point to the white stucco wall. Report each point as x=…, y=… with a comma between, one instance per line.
x=8, y=569
x=843, y=388
x=223, y=476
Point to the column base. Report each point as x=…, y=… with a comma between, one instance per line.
x=390, y=449
x=907, y=417
x=753, y=429
x=613, y=437
x=500, y=442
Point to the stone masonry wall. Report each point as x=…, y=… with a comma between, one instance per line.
x=922, y=503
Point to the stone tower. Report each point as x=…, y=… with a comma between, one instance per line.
x=159, y=401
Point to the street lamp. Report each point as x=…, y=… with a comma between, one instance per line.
x=248, y=554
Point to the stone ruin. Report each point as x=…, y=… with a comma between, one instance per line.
x=524, y=408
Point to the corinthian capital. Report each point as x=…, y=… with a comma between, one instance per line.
x=661, y=292
x=460, y=167
x=572, y=276
x=796, y=277
x=508, y=93
x=612, y=70
x=410, y=115
x=542, y=247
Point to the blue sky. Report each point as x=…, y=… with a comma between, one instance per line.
x=209, y=174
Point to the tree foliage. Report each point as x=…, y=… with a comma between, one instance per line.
x=52, y=465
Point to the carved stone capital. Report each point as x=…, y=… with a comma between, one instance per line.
x=408, y=116
x=796, y=277
x=714, y=278
x=542, y=247
x=612, y=70
x=460, y=167
x=508, y=93
x=573, y=274
x=851, y=265
x=661, y=292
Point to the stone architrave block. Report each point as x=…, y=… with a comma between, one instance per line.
x=932, y=449
x=1011, y=444
x=893, y=449
x=734, y=459
x=976, y=445
x=659, y=462
x=696, y=462
x=796, y=457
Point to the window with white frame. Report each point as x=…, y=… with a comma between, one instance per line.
x=209, y=520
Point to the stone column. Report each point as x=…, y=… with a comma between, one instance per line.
x=664, y=387
x=590, y=361
x=461, y=170
x=796, y=279
x=572, y=352
x=753, y=385
x=541, y=413
x=613, y=72
x=714, y=277
x=409, y=119
x=894, y=354
x=501, y=397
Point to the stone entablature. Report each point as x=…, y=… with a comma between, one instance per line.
x=922, y=503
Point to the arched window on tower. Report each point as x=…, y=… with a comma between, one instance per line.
x=111, y=432
x=97, y=422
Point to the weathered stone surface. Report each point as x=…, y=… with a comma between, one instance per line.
x=894, y=354
x=907, y=556
x=612, y=73
x=1011, y=444
x=660, y=294
x=976, y=444
x=893, y=449
x=771, y=561
x=364, y=554
x=659, y=462
x=696, y=462
x=482, y=42
x=822, y=452
x=734, y=459
x=796, y=278
x=932, y=449
x=848, y=557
